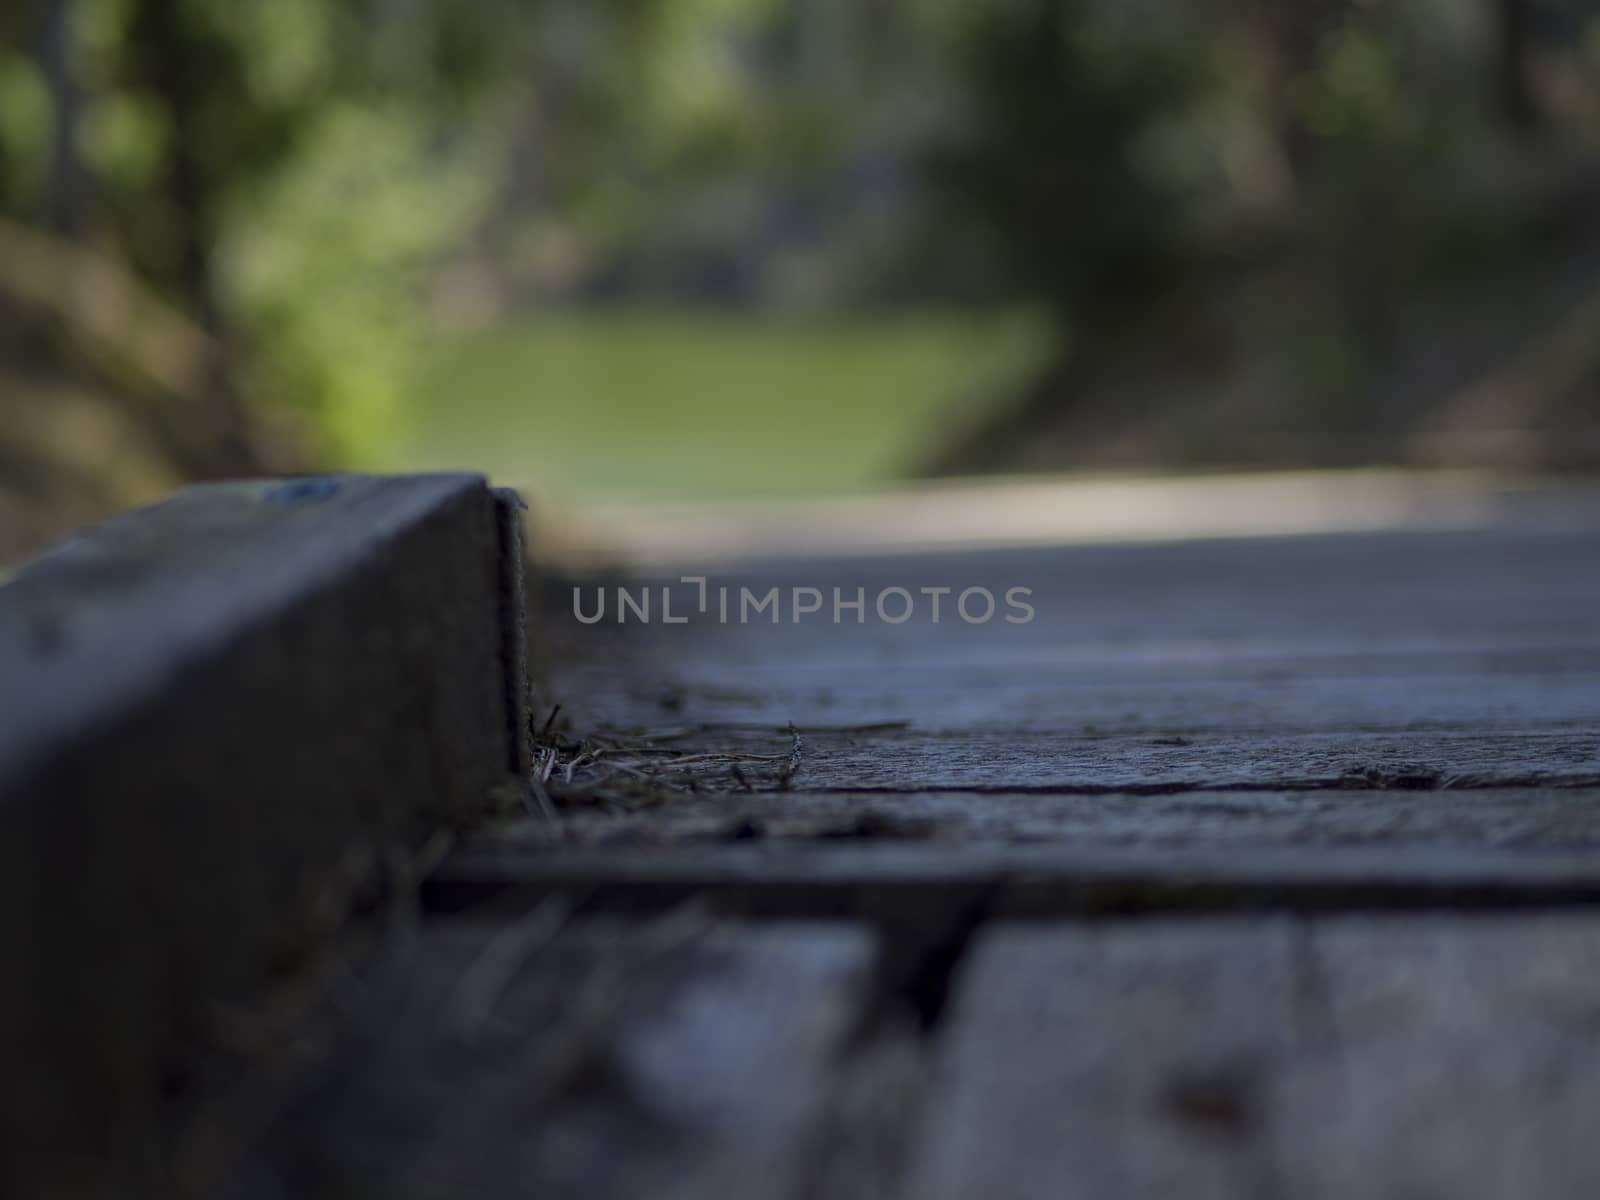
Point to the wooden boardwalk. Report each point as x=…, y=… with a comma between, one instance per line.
x=1264, y=867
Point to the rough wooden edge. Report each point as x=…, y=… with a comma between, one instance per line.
x=224, y=716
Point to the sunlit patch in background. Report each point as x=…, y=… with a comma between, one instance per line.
x=677, y=404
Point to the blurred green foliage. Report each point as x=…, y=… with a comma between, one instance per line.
x=1330, y=232
x=274, y=170
x=1293, y=223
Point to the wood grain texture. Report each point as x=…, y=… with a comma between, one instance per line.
x=1108, y=1063
x=678, y=1057
x=1355, y=816
x=1262, y=868
x=1073, y=763
x=1459, y=659
x=1438, y=1056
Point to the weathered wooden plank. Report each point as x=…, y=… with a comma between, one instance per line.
x=1108, y=1062
x=1523, y=818
x=1438, y=1056
x=1404, y=597
x=219, y=712
x=1070, y=762
x=892, y=759
x=677, y=1058
x=1550, y=691
x=1301, y=728
x=1489, y=629
x=1458, y=1060
x=1333, y=595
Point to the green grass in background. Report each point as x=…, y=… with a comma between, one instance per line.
x=675, y=404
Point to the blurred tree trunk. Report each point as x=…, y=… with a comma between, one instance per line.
x=67, y=200
x=174, y=70
x=1295, y=29
x=1513, y=88
x=173, y=75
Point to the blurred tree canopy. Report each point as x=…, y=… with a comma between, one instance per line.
x=1262, y=231
x=1331, y=231
x=272, y=171
x=298, y=179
